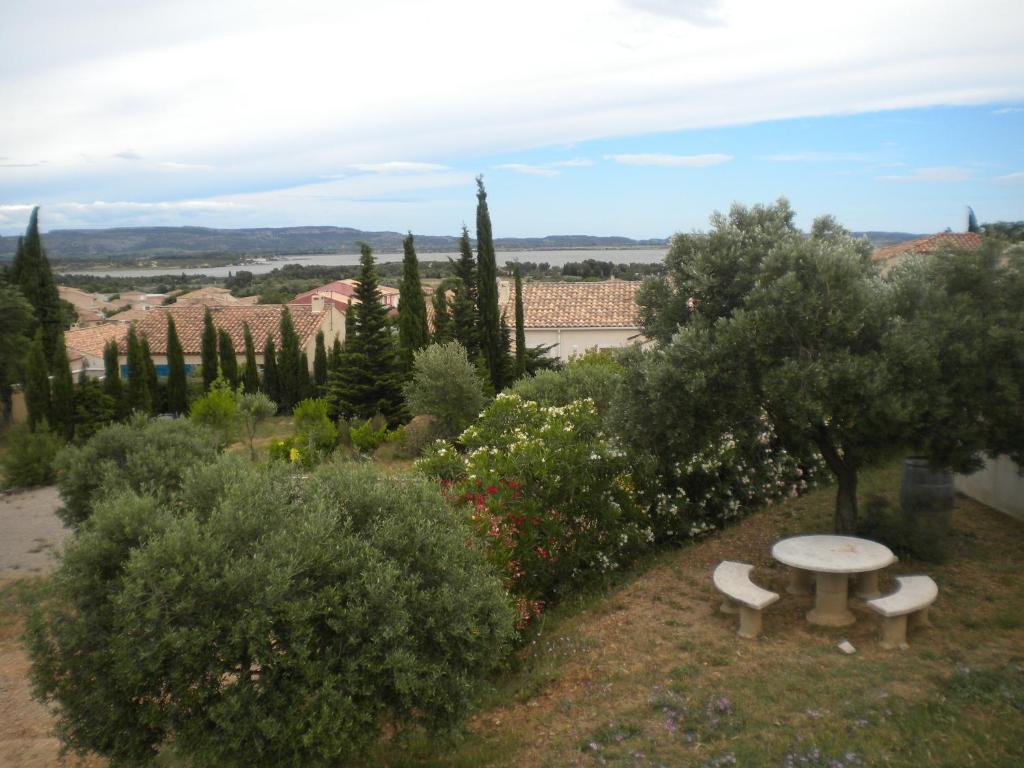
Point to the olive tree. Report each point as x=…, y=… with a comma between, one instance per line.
x=445, y=385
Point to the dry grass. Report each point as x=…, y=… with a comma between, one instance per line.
x=652, y=674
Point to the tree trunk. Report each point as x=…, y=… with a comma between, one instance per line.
x=846, y=502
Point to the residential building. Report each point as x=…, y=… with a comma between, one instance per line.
x=891, y=255
x=340, y=292
x=85, y=347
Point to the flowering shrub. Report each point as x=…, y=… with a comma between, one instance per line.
x=726, y=478
x=547, y=494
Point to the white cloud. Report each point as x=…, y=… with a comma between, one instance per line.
x=398, y=166
x=671, y=161
x=818, y=157
x=700, y=12
x=1007, y=111
x=1011, y=178
x=529, y=170
x=936, y=175
x=576, y=162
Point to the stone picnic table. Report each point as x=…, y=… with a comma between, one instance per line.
x=831, y=560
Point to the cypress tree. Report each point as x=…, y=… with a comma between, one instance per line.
x=465, y=267
x=31, y=273
x=37, y=383
x=152, y=381
x=271, y=384
x=138, y=384
x=342, y=380
x=292, y=376
x=112, y=379
x=228, y=361
x=320, y=364
x=495, y=356
x=520, y=329
x=465, y=322
x=208, y=351
x=412, y=308
x=251, y=372
x=177, y=384
x=17, y=319
x=62, y=392
x=334, y=359
x=442, y=320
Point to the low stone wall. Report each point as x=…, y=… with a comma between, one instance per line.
x=998, y=485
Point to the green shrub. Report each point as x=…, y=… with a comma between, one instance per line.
x=595, y=375
x=288, y=624
x=367, y=437
x=141, y=455
x=313, y=428
x=218, y=410
x=445, y=385
x=548, y=495
x=253, y=407
x=29, y=457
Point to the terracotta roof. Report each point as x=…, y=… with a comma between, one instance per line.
x=969, y=241
x=212, y=296
x=130, y=316
x=263, y=320
x=609, y=304
x=90, y=341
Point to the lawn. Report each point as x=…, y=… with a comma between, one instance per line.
x=647, y=672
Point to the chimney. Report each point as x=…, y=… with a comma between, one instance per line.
x=316, y=305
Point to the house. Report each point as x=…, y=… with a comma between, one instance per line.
x=85, y=347
x=891, y=255
x=140, y=299
x=213, y=296
x=340, y=292
x=263, y=321
x=89, y=307
x=575, y=317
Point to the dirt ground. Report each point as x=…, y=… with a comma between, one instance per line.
x=29, y=532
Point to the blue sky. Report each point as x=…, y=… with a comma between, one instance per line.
x=628, y=117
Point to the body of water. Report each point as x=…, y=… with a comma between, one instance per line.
x=552, y=257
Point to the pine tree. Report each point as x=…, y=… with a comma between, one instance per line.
x=412, y=309
x=31, y=273
x=442, y=319
x=177, y=383
x=152, y=381
x=37, y=383
x=320, y=364
x=62, y=392
x=465, y=267
x=138, y=384
x=292, y=377
x=251, y=372
x=494, y=354
x=369, y=382
x=271, y=384
x=112, y=379
x=343, y=378
x=465, y=318
x=208, y=351
x=520, y=328
x=228, y=361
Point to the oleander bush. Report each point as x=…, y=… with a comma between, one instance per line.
x=547, y=493
x=261, y=620
x=142, y=455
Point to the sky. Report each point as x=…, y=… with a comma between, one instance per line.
x=603, y=117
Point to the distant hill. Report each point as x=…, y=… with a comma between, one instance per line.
x=139, y=243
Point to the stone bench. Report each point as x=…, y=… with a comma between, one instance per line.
x=912, y=598
x=742, y=595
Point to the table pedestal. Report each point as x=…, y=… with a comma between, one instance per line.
x=865, y=585
x=801, y=582
x=830, y=601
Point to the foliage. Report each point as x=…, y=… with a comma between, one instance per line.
x=208, y=350
x=228, y=360
x=93, y=409
x=337, y=608
x=177, y=387
x=139, y=397
x=217, y=410
x=313, y=428
x=251, y=372
x=37, y=383
x=495, y=353
x=320, y=364
x=594, y=375
x=547, y=494
x=28, y=460
x=412, y=309
x=16, y=321
x=445, y=385
x=31, y=273
x=520, y=327
x=141, y=455
x=270, y=385
x=442, y=316
x=365, y=438
x=152, y=382
x=909, y=533
x=293, y=376
x=62, y=392
x=253, y=408
x=112, y=379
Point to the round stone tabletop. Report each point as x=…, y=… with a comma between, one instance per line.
x=833, y=554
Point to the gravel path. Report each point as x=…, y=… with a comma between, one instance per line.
x=29, y=532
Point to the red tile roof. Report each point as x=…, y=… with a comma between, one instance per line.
x=609, y=304
x=263, y=320
x=91, y=340
x=969, y=241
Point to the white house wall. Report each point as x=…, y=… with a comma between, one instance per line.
x=575, y=341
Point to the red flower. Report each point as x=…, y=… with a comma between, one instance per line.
x=491, y=489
